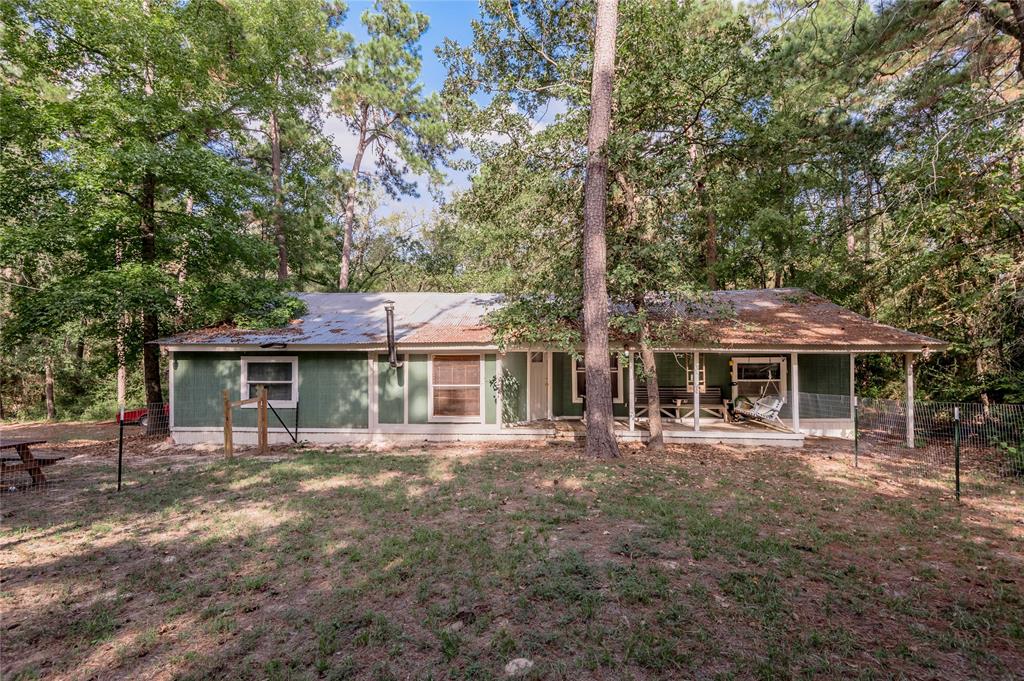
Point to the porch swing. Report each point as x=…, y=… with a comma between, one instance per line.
x=767, y=407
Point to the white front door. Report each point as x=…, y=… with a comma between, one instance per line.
x=538, y=386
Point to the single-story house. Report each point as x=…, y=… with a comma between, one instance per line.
x=329, y=378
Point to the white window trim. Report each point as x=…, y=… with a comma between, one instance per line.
x=277, y=404
x=431, y=418
x=736, y=380
x=578, y=399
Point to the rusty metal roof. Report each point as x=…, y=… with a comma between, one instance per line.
x=358, y=319
x=757, y=318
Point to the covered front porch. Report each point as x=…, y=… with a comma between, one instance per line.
x=812, y=394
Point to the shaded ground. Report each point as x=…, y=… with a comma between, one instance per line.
x=77, y=432
x=447, y=562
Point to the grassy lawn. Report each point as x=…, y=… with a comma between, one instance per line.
x=448, y=562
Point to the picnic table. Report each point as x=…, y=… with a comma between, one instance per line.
x=29, y=463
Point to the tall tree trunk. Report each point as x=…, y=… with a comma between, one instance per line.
x=150, y=317
x=275, y=176
x=350, y=203
x=179, y=297
x=122, y=367
x=656, y=439
x=851, y=236
x=600, y=424
x=51, y=407
x=119, y=343
x=709, y=217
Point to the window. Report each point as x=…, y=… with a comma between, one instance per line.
x=455, y=387
x=688, y=368
x=757, y=376
x=579, y=379
x=278, y=374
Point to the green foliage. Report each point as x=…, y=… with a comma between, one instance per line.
x=273, y=312
x=751, y=157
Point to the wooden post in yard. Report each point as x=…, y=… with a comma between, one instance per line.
x=229, y=451
x=262, y=412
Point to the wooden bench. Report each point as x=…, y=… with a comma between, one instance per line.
x=33, y=465
x=673, y=399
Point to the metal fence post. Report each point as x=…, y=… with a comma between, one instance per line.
x=120, y=447
x=856, y=438
x=956, y=449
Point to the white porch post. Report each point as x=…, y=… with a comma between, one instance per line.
x=632, y=394
x=795, y=374
x=550, y=387
x=497, y=391
x=696, y=391
x=908, y=365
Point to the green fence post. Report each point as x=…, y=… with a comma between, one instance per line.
x=956, y=449
x=856, y=440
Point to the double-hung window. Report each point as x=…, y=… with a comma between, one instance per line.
x=579, y=379
x=280, y=376
x=455, y=388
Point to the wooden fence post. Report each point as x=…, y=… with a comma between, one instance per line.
x=262, y=410
x=228, y=444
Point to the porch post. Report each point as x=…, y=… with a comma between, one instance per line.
x=795, y=374
x=853, y=358
x=908, y=366
x=632, y=394
x=550, y=386
x=696, y=391
x=497, y=393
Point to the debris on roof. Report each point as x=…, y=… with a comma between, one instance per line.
x=786, y=318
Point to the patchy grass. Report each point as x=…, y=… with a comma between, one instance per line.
x=447, y=562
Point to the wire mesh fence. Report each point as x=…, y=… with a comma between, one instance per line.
x=50, y=458
x=970, y=449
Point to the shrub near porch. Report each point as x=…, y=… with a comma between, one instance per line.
x=450, y=562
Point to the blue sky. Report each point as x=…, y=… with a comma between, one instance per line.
x=448, y=19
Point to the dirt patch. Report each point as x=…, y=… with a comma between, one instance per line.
x=61, y=431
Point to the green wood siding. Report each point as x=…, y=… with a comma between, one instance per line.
x=490, y=397
x=390, y=391
x=418, y=387
x=514, y=399
x=332, y=389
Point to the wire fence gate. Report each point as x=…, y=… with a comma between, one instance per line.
x=971, y=449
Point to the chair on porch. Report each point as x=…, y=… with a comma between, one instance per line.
x=764, y=410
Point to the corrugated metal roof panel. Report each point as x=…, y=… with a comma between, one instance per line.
x=782, y=318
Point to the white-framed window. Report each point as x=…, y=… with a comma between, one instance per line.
x=579, y=379
x=456, y=391
x=756, y=376
x=279, y=374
